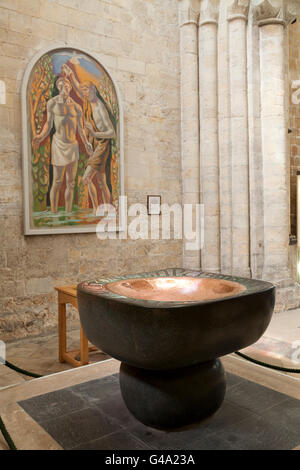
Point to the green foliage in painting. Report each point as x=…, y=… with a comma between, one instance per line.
x=80, y=187
x=41, y=92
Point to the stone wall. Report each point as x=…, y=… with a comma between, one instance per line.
x=203, y=86
x=294, y=119
x=138, y=42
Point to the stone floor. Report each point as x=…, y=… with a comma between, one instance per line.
x=40, y=355
x=251, y=429
x=278, y=346
x=93, y=416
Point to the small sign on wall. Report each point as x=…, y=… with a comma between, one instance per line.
x=153, y=205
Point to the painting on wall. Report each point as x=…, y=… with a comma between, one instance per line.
x=72, y=142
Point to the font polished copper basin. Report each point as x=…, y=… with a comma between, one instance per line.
x=176, y=289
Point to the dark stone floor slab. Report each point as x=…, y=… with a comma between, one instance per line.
x=254, y=397
x=53, y=405
x=121, y=440
x=210, y=442
x=287, y=416
x=232, y=380
x=93, y=415
x=115, y=407
x=228, y=415
x=178, y=439
x=258, y=433
x=83, y=426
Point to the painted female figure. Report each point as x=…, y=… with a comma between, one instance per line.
x=98, y=123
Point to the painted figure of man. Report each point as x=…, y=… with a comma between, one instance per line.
x=66, y=116
x=98, y=124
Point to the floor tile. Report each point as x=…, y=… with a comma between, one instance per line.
x=211, y=442
x=53, y=404
x=115, y=407
x=232, y=380
x=258, y=433
x=227, y=414
x=121, y=440
x=74, y=429
x=254, y=397
x=285, y=417
x=170, y=440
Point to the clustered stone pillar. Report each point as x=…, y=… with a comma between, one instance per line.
x=272, y=22
x=188, y=17
x=234, y=133
x=209, y=148
x=237, y=29
x=255, y=153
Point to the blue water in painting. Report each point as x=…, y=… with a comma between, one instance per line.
x=60, y=59
x=76, y=217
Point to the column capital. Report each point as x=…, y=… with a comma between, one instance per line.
x=239, y=9
x=209, y=12
x=274, y=12
x=188, y=12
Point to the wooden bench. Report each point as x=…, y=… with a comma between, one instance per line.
x=68, y=295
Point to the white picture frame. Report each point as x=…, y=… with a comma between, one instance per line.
x=29, y=228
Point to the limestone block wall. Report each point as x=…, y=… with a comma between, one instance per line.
x=204, y=88
x=138, y=42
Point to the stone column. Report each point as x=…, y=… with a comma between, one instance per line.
x=209, y=147
x=237, y=33
x=188, y=18
x=224, y=118
x=272, y=18
x=255, y=153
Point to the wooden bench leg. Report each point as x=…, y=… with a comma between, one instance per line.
x=62, y=331
x=77, y=357
x=84, y=348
